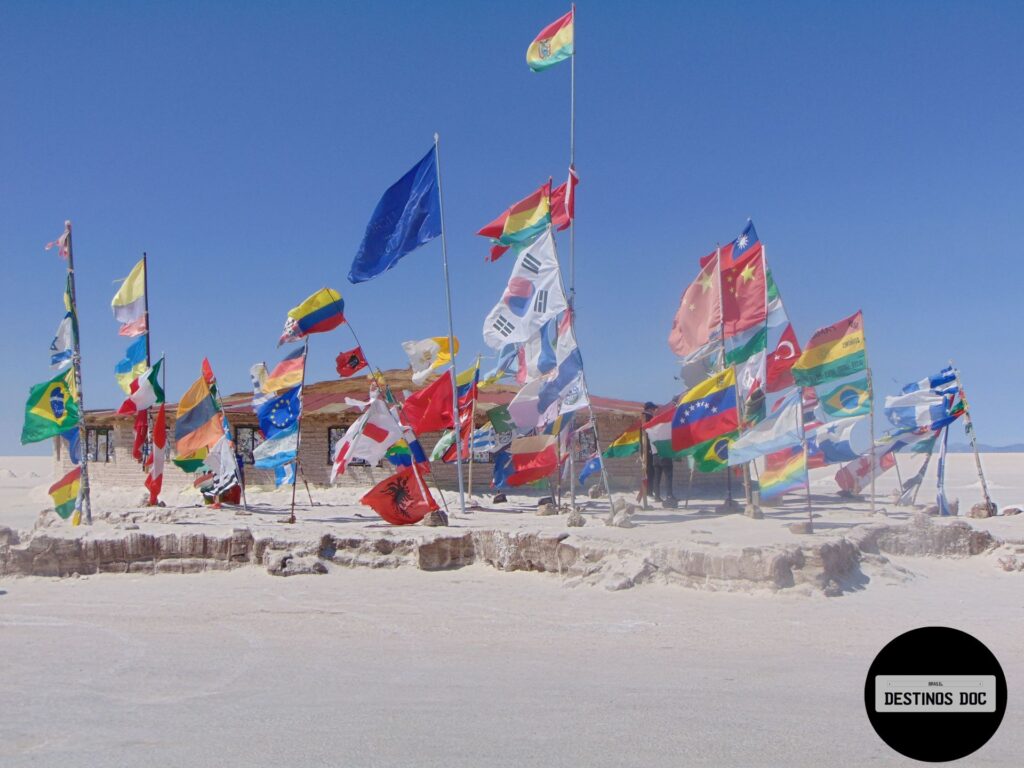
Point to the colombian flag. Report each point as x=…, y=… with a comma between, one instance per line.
x=65, y=493
x=553, y=44
x=705, y=412
x=321, y=312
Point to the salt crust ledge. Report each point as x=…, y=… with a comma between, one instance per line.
x=829, y=565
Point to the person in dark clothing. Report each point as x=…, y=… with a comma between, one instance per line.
x=652, y=480
x=659, y=468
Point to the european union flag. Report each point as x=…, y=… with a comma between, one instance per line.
x=407, y=216
x=280, y=413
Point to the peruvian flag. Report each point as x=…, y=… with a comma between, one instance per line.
x=155, y=478
x=402, y=499
x=145, y=391
x=563, y=202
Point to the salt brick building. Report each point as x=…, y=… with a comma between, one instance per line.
x=325, y=418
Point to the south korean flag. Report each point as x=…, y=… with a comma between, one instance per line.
x=534, y=295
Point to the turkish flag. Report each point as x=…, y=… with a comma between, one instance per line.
x=402, y=499
x=430, y=409
x=350, y=362
x=780, y=361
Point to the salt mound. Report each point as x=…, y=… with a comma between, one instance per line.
x=5, y=472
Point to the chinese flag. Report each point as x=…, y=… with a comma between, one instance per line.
x=350, y=362
x=402, y=499
x=744, y=296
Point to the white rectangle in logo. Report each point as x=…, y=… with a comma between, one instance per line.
x=935, y=693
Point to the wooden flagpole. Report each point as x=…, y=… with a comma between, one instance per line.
x=145, y=314
x=76, y=359
x=298, y=431
x=451, y=332
x=969, y=427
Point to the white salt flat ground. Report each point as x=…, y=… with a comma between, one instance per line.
x=472, y=667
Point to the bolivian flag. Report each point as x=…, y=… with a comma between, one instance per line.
x=51, y=408
x=832, y=353
x=553, y=44
x=625, y=444
x=65, y=492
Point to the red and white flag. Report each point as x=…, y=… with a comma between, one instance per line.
x=402, y=499
x=155, y=479
x=368, y=438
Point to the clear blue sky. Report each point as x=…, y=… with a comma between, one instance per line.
x=878, y=147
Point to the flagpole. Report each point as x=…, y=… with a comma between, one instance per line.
x=807, y=471
x=145, y=315
x=572, y=168
x=76, y=358
x=472, y=430
x=456, y=425
x=298, y=431
x=871, y=419
x=969, y=426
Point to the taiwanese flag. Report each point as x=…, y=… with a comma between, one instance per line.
x=744, y=294
x=430, y=409
x=705, y=412
x=402, y=499
x=742, y=246
x=350, y=362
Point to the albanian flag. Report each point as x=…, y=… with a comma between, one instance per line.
x=402, y=499
x=350, y=362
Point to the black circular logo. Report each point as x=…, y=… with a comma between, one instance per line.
x=935, y=694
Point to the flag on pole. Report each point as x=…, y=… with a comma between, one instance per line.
x=349, y=363
x=785, y=471
x=427, y=355
x=286, y=374
x=563, y=202
x=533, y=296
x=849, y=396
x=781, y=430
x=323, y=311
x=144, y=391
x=155, y=478
x=198, y=423
x=698, y=320
x=63, y=345
x=941, y=499
x=51, y=409
x=706, y=411
x=368, y=438
x=625, y=444
x=61, y=244
x=132, y=365
x=943, y=382
x=919, y=408
x=65, y=493
x=593, y=465
x=402, y=498
x=521, y=222
x=832, y=353
x=280, y=413
x=744, y=293
x=552, y=45
x=407, y=216
x=835, y=439
x=713, y=455
x=526, y=460
x=129, y=303
x=430, y=409
x=729, y=254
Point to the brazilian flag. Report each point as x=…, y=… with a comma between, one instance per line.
x=51, y=408
x=844, y=399
x=713, y=455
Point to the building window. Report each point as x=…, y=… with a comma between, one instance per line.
x=334, y=436
x=99, y=445
x=586, y=445
x=246, y=440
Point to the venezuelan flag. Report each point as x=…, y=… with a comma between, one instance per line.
x=553, y=44
x=832, y=353
x=705, y=412
x=199, y=423
x=65, y=493
x=625, y=444
x=521, y=222
x=321, y=312
x=784, y=473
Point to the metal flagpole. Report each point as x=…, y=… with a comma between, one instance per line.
x=145, y=314
x=969, y=427
x=472, y=430
x=807, y=471
x=871, y=421
x=76, y=358
x=451, y=332
x=298, y=430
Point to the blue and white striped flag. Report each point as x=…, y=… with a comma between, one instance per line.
x=920, y=408
x=943, y=382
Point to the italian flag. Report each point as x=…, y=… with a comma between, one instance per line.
x=155, y=478
x=145, y=391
